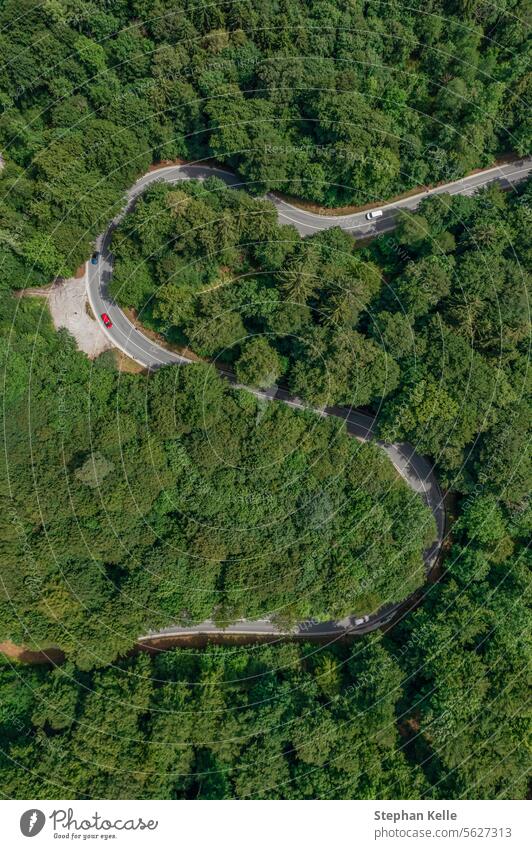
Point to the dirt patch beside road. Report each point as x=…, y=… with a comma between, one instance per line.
x=67, y=301
x=24, y=655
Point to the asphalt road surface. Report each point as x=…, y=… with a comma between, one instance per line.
x=417, y=471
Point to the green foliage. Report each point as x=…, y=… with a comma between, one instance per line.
x=188, y=259
x=259, y=364
x=129, y=505
x=215, y=724
x=462, y=396
x=89, y=94
x=452, y=323
x=145, y=505
x=468, y=658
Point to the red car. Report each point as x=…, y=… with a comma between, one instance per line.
x=106, y=320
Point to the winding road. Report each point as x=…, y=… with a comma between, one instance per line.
x=417, y=471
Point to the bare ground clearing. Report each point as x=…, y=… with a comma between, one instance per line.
x=67, y=301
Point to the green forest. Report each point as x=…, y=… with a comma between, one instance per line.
x=445, y=720
x=370, y=98
x=211, y=268
x=428, y=326
x=136, y=502
x=129, y=502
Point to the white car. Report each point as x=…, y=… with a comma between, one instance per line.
x=374, y=213
x=362, y=621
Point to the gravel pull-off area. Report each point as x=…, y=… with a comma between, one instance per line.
x=69, y=307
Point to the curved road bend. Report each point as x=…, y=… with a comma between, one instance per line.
x=416, y=470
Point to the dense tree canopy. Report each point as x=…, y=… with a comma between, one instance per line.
x=429, y=326
x=339, y=102
x=136, y=502
x=279, y=722
x=463, y=292
x=450, y=678
x=211, y=267
x=130, y=502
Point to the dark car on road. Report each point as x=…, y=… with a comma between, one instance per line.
x=94, y=258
